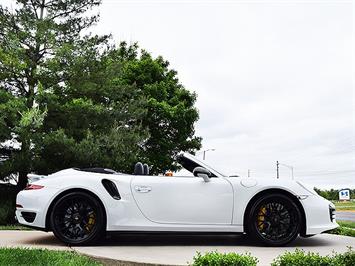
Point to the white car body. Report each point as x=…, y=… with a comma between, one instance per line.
x=171, y=203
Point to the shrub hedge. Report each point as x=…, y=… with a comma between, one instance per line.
x=7, y=204
x=224, y=259
x=301, y=258
x=296, y=258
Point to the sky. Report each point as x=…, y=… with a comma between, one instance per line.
x=274, y=79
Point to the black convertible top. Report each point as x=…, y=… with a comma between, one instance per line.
x=98, y=170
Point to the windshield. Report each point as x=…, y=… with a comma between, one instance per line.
x=190, y=162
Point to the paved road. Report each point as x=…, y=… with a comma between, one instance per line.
x=174, y=249
x=345, y=215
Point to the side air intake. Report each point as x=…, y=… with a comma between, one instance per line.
x=111, y=189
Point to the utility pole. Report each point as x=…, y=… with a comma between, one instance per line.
x=248, y=172
x=277, y=169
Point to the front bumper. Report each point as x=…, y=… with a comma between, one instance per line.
x=320, y=214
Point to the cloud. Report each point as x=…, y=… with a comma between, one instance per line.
x=273, y=79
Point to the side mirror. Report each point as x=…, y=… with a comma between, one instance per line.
x=202, y=172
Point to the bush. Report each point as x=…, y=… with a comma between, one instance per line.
x=301, y=258
x=226, y=259
x=345, y=259
x=7, y=204
x=296, y=258
x=7, y=212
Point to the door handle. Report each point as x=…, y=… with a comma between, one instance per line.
x=142, y=189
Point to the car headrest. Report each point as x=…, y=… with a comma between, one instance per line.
x=138, y=169
x=146, y=169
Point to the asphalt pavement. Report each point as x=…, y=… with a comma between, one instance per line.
x=345, y=215
x=144, y=249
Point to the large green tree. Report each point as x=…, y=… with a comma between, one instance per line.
x=171, y=113
x=60, y=105
x=71, y=99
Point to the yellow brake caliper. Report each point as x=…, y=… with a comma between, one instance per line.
x=91, y=222
x=261, y=218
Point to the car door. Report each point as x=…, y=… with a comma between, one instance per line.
x=184, y=200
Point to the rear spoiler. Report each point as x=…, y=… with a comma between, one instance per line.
x=34, y=177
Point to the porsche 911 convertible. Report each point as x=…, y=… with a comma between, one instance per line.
x=80, y=205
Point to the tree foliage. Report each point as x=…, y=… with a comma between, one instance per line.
x=333, y=194
x=69, y=98
x=60, y=105
x=170, y=115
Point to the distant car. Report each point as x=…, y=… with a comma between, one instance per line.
x=81, y=205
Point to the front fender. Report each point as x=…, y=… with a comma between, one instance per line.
x=247, y=188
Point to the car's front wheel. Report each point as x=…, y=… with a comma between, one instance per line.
x=274, y=220
x=77, y=218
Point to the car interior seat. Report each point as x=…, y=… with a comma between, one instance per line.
x=138, y=169
x=146, y=169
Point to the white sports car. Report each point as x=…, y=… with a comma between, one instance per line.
x=80, y=205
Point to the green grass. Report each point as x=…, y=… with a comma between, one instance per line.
x=348, y=224
x=14, y=227
x=347, y=228
x=344, y=206
x=343, y=231
x=42, y=257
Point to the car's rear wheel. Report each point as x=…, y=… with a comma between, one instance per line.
x=274, y=220
x=77, y=218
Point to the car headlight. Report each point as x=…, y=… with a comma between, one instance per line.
x=307, y=188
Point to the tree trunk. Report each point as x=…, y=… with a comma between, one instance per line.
x=22, y=181
x=25, y=163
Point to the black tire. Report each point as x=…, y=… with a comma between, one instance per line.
x=274, y=220
x=78, y=218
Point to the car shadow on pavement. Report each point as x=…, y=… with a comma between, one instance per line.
x=117, y=239
x=127, y=239
x=46, y=240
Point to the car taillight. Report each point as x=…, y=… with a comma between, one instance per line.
x=32, y=186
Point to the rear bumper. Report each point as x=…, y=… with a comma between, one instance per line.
x=320, y=216
x=34, y=204
x=23, y=220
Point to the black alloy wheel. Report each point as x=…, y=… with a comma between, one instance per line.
x=274, y=220
x=77, y=219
